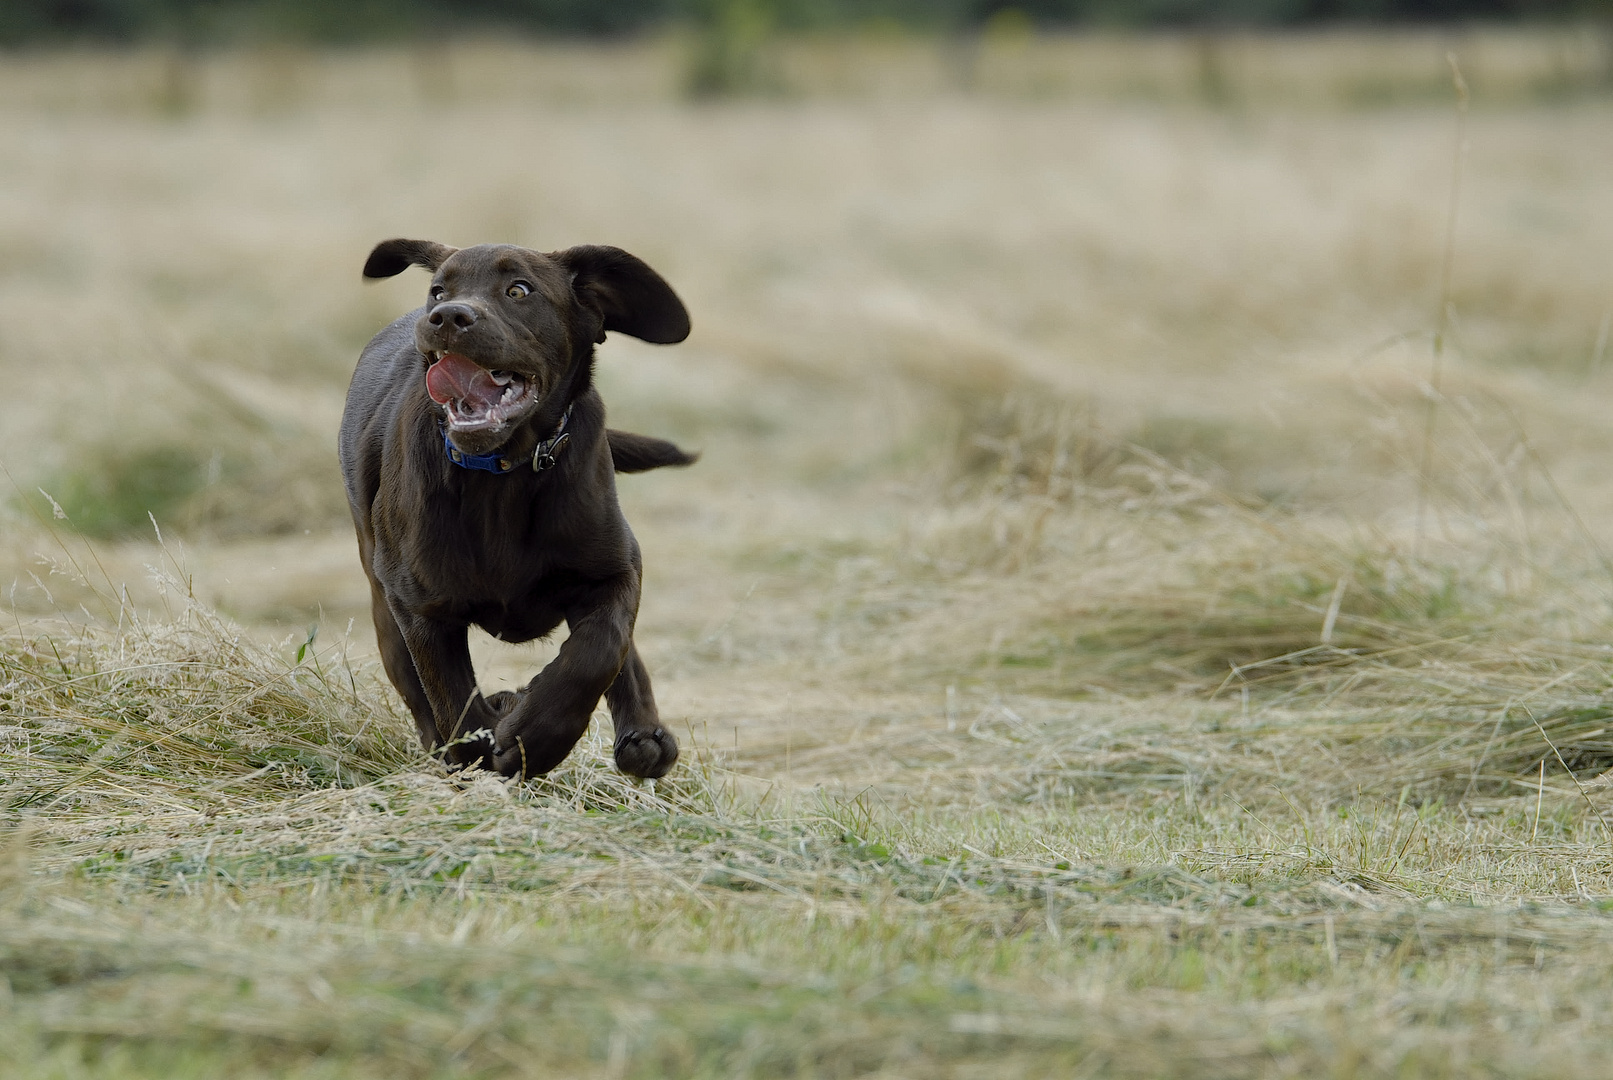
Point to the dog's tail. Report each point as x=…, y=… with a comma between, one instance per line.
x=638, y=453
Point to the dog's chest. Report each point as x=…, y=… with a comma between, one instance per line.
x=484, y=569
x=514, y=583
x=509, y=605
x=518, y=623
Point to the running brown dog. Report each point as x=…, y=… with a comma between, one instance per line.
x=482, y=483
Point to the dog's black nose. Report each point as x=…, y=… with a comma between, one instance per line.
x=460, y=316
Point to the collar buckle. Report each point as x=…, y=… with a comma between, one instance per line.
x=543, y=457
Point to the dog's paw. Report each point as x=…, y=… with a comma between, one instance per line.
x=502, y=702
x=469, y=754
x=649, y=754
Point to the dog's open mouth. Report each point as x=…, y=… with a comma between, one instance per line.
x=476, y=398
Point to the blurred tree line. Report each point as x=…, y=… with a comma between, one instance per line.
x=346, y=21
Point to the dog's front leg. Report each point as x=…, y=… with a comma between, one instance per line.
x=441, y=653
x=553, y=711
x=643, y=746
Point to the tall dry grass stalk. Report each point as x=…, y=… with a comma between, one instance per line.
x=1447, y=266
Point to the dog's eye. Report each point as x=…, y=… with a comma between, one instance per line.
x=438, y=292
x=518, y=290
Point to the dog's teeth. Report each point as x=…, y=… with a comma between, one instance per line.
x=501, y=377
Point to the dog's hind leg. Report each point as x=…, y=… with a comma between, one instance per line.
x=643, y=746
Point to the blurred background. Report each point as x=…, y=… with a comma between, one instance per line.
x=27, y=21
x=1144, y=602
x=980, y=291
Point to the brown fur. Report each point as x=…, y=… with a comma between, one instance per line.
x=518, y=553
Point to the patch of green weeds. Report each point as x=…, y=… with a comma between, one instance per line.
x=111, y=492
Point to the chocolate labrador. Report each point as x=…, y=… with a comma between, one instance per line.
x=482, y=482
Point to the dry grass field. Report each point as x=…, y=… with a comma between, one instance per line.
x=1145, y=608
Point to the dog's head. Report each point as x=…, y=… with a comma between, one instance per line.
x=508, y=333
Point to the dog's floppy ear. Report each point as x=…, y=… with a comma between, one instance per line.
x=393, y=257
x=627, y=294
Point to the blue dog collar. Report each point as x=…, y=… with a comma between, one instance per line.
x=543, y=457
x=494, y=463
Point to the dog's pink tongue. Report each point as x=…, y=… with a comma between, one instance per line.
x=454, y=378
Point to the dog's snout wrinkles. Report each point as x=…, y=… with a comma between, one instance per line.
x=456, y=315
